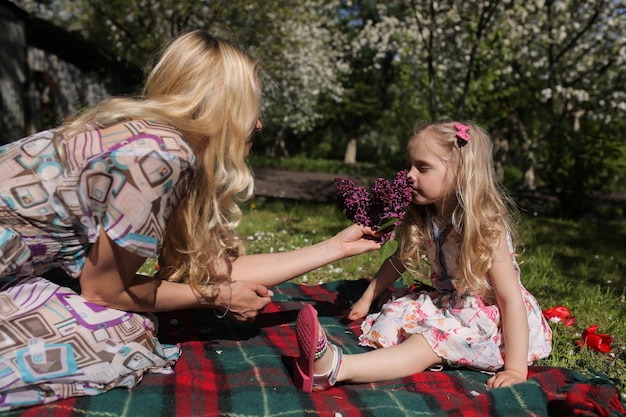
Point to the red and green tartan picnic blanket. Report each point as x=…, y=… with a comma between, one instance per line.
x=231, y=369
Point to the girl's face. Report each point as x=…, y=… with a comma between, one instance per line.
x=428, y=172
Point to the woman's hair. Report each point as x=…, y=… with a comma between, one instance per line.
x=209, y=90
x=479, y=213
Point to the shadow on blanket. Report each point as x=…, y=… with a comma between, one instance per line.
x=228, y=369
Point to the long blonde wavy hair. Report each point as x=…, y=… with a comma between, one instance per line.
x=479, y=212
x=209, y=90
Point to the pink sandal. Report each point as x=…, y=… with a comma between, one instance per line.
x=307, y=330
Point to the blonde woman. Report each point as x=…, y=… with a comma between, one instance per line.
x=156, y=176
x=476, y=314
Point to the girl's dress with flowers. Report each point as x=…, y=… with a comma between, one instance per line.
x=463, y=329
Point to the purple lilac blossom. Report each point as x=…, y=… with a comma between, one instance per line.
x=387, y=200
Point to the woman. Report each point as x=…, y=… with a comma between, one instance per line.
x=129, y=179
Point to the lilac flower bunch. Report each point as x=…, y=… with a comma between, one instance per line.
x=381, y=208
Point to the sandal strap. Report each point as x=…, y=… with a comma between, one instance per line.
x=329, y=378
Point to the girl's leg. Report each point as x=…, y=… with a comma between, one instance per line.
x=321, y=364
x=407, y=358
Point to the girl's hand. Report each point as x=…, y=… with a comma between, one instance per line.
x=353, y=240
x=359, y=309
x=506, y=378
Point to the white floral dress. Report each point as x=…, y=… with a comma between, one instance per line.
x=462, y=329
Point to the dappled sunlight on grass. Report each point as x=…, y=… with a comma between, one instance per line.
x=280, y=225
x=582, y=265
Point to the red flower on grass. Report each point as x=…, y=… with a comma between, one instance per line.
x=559, y=314
x=595, y=341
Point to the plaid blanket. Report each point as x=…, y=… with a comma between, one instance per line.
x=231, y=369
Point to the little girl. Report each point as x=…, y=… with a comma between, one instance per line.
x=476, y=314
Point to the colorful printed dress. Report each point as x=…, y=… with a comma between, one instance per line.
x=126, y=179
x=462, y=329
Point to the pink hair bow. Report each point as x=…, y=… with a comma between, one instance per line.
x=461, y=131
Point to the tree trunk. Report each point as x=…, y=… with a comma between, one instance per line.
x=350, y=156
x=527, y=145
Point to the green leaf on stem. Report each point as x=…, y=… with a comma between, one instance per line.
x=387, y=223
x=388, y=248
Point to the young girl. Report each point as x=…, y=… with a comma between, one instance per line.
x=476, y=314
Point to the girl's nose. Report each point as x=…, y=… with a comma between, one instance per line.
x=258, y=125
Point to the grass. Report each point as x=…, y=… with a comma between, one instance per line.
x=581, y=265
x=578, y=264
x=280, y=225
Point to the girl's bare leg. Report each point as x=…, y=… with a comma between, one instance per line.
x=409, y=357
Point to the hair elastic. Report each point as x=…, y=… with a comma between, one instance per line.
x=461, y=134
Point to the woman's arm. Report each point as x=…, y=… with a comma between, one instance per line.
x=514, y=319
x=109, y=278
x=275, y=268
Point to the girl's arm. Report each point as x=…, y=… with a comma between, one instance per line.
x=514, y=319
x=387, y=274
x=275, y=268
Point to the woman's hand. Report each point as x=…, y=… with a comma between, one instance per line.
x=247, y=302
x=354, y=240
x=506, y=378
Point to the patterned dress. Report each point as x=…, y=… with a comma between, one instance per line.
x=463, y=329
x=126, y=179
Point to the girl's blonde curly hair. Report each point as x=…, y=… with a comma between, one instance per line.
x=479, y=212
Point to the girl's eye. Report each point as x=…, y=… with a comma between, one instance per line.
x=423, y=168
